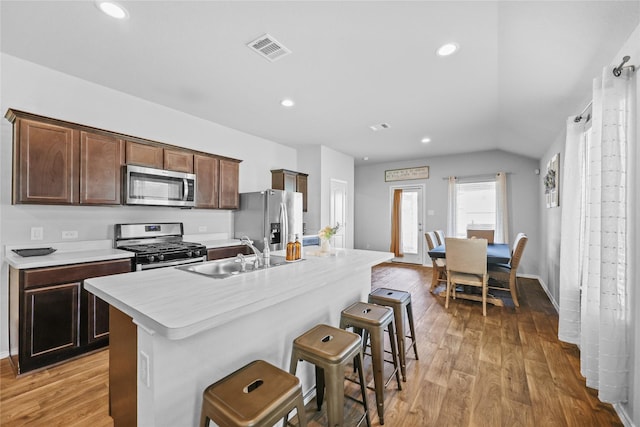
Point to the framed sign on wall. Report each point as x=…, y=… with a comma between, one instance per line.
x=421, y=172
x=552, y=181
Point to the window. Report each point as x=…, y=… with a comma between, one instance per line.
x=475, y=206
x=409, y=221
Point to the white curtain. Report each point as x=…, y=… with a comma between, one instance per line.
x=452, y=208
x=573, y=202
x=596, y=274
x=502, y=213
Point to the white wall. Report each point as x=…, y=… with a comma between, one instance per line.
x=373, y=196
x=550, y=224
x=309, y=160
x=29, y=87
x=324, y=164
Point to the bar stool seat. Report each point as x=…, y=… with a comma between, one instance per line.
x=400, y=301
x=257, y=395
x=373, y=319
x=330, y=350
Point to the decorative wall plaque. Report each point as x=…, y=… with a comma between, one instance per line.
x=421, y=172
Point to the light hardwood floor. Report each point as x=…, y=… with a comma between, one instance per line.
x=507, y=369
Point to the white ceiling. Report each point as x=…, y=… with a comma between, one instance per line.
x=523, y=66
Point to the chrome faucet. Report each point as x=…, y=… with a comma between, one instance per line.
x=243, y=262
x=258, y=261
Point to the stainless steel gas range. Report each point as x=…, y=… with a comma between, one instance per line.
x=157, y=245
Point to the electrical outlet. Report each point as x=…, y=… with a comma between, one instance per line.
x=202, y=228
x=73, y=234
x=37, y=233
x=144, y=368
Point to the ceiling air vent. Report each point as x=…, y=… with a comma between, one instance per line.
x=381, y=126
x=268, y=47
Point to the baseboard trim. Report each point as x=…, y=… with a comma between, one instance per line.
x=4, y=354
x=622, y=414
x=544, y=287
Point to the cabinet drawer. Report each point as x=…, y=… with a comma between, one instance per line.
x=72, y=273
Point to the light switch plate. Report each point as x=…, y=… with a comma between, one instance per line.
x=37, y=233
x=144, y=368
x=72, y=234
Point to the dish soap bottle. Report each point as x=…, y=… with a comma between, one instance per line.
x=297, y=248
x=290, y=251
x=266, y=253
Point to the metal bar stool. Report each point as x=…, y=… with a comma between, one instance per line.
x=398, y=300
x=330, y=349
x=257, y=395
x=373, y=319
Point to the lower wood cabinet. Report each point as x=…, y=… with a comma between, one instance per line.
x=228, y=252
x=52, y=317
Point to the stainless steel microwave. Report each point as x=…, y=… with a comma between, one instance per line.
x=158, y=187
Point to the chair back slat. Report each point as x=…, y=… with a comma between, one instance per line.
x=466, y=255
x=431, y=239
x=518, y=250
x=440, y=236
x=481, y=234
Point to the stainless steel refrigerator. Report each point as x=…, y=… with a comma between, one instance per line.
x=274, y=214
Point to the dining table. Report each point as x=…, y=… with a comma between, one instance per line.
x=497, y=253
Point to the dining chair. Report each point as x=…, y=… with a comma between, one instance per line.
x=480, y=234
x=506, y=273
x=438, y=265
x=466, y=265
x=440, y=237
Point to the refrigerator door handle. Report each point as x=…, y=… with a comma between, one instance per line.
x=284, y=225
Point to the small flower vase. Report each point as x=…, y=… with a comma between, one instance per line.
x=325, y=245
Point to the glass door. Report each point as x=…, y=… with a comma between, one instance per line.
x=411, y=214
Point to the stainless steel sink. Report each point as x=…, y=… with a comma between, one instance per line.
x=223, y=268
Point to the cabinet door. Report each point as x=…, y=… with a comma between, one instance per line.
x=144, y=155
x=98, y=327
x=283, y=180
x=46, y=168
x=51, y=321
x=301, y=187
x=207, y=170
x=229, y=175
x=179, y=161
x=101, y=160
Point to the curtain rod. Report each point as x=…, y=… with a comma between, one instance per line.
x=580, y=116
x=486, y=175
x=618, y=70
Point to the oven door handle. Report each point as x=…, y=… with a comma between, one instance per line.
x=171, y=264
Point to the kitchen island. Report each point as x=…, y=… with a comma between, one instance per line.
x=191, y=330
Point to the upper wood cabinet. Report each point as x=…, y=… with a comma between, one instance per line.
x=283, y=179
x=101, y=160
x=207, y=170
x=144, y=155
x=57, y=162
x=46, y=160
x=178, y=160
x=229, y=181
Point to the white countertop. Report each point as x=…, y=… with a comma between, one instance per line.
x=177, y=304
x=66, y=253
x=92, y=251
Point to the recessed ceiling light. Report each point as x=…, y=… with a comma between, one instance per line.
x=287, y=102
x=112, y=9
x=365, y=158
x=425, y=140
x=448, y=49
